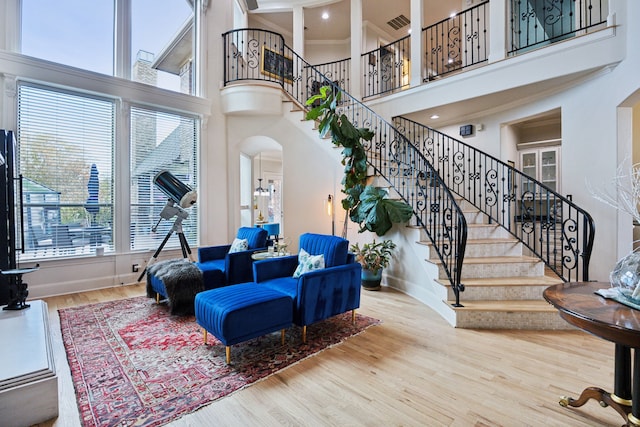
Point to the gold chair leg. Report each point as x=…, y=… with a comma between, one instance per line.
x=304, y=333
x=228, y=352
x=204, y=335
x=353, y=316
x=282, y=336
x=157, y=298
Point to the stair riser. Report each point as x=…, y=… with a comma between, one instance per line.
x=525, y=269
x=479, y=231
x=487, y=232
x=499, y=293
x=487, y=250
x=511, y=320
x=474, y=217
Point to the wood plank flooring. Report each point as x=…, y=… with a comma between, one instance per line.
x=412, y=370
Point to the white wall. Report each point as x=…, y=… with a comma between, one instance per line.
x=320, y=53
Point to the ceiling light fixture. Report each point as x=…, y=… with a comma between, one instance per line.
x=259, y=191
x=435, y=116
x=325, y=15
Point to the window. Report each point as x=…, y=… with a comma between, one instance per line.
x=66, y=158
x=78, y=33
x=161, y=141
x=155, y=47
x=162, y=44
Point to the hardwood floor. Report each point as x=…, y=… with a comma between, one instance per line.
x=412, y=370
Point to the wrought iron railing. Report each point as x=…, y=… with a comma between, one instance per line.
x=386, y=69
x=457, y=42
x=535, y=23
x=251, y=54
x=550, y=225
x=339, y=72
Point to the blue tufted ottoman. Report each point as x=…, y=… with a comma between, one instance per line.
x=237, y=313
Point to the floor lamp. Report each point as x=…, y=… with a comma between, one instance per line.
x=331, y=213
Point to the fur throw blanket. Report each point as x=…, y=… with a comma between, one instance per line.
x=182, y=280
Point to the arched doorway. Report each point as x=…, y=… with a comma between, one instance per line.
x=261, y=182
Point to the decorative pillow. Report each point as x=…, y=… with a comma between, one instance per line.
x=307, y=263
x=239, y=245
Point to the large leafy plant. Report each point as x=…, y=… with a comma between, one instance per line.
x=366, y=205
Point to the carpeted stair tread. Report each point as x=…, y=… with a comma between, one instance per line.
x=495, y=260
x=486, y=241
x=505, y=306
x=508, y=281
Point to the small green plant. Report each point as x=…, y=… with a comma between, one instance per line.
x=375, y=255
x=365, y=205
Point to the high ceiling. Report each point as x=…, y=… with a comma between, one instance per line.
x=375, y=12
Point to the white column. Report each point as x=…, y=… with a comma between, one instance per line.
x=122, y=40
x=356, y=48
x=298, y=30
x=417, y=16
x=497, y=30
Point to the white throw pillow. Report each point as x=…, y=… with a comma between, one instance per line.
x=307, y=263
x=239, y=245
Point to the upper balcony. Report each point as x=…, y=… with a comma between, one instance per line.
x=499, y=50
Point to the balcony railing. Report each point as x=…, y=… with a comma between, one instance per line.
x=251, y=54
x=387, y=68
x=535, y=23
x=65, y=229
x=550, y=225
x=457, y=42
x=339, y=72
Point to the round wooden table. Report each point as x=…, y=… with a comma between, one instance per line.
x=578, y=304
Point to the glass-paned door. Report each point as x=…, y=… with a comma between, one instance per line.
x=542, y=165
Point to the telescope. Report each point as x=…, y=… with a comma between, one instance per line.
x=181, y=196
x=175, y=189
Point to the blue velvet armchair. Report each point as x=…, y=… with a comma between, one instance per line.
x=318, y=294
x=221, y=268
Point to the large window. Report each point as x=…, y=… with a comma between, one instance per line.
x=154, y=47
x=161, y=141
x=162, y=34
x=72, y=32
x=90, y=146
x=66, y=145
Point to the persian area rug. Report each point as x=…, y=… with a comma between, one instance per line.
x=133, y=363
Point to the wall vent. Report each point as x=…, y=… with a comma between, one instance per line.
x=399, y=22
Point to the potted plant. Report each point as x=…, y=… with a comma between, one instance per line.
x=373, y=257
x=365, y=205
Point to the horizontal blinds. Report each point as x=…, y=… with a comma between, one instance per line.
x=160, y=141
x=65, y=152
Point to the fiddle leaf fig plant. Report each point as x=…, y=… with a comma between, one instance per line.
x=366, y=205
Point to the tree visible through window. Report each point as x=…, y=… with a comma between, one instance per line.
x=65, y=153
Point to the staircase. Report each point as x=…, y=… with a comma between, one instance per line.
x=503, y=287
x=479, y=239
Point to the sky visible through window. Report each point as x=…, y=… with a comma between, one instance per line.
x=80, y=32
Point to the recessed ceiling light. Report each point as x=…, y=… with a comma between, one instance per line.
x=435, y=116
x=325, y=15
x=409, y=31
x=453, y=14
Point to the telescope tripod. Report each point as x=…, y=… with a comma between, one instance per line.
x=184, y=245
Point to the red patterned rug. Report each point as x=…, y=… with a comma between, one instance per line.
x=133, y=363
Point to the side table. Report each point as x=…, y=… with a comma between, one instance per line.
x=610, y=320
